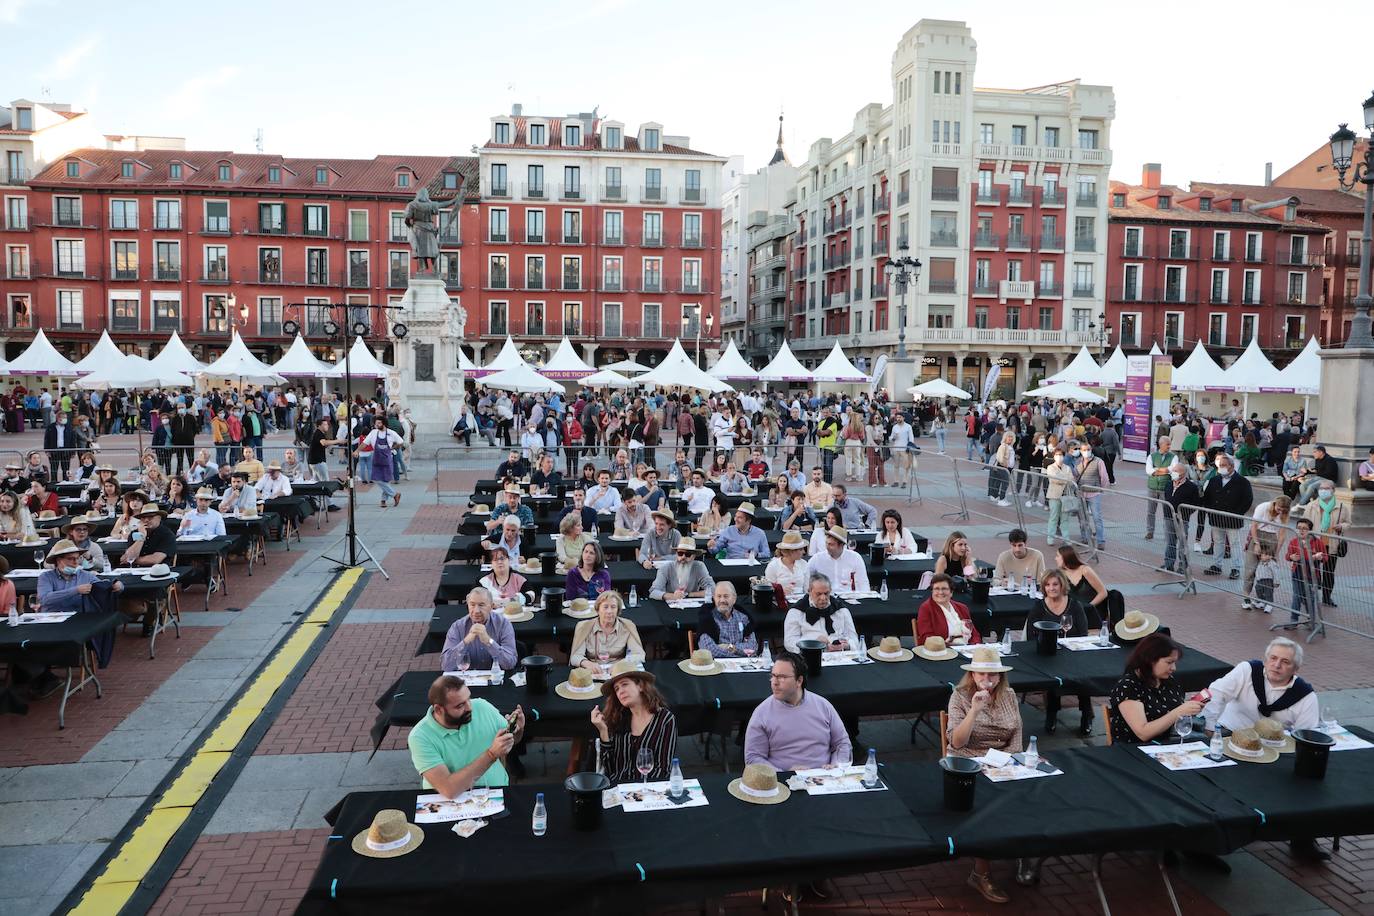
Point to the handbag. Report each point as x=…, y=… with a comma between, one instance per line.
x=1342, y=548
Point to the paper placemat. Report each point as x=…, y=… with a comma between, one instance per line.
x=1084, y=643
x=744, y=665
x=653, y=796
x=847, y=657
x=478, y=677
x=832, y=781
x=1189, y=756
x=436, y=809
x=742, y=561
x=45, y=616
x=1346, y=740
x=24, y=574
x=1003, y=767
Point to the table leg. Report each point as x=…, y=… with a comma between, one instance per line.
x=1168, y=885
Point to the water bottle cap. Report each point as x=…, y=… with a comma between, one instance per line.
x=873, y=750
x=675, y=761
x=539, y=796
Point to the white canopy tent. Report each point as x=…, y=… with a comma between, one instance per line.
x=1154, y=350
x=300, y=362
x=1198, y=372
x=1083, y=370
x=103, y=355
x=836, y=367
x=679, y=371
x=41, y=358
x=238, y=363
x=1304, y=374
x=784, y=367
x=628, y=365
x=938, y=388
x=607, y=378
x=522, y=378
x=565, y=363
x=175, y=357
x=1063, y=391
x=132, y=373
x=508, y=358
x=732, y=366
x=1113, y=371
x=360, y=363
x=1252, y=371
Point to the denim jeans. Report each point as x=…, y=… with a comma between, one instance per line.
x=971, y=448
x=828, y=463
x=1094, y=505
x=940, y=439
x=364, y=466
x=1304, y=596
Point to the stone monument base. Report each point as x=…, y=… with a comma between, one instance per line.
x=426, y=377
x=1345, y=423
x=899, y=376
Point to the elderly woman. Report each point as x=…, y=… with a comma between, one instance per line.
x=956, y=557
x=787, y=568
x=1329, y=519
x=606, y=634
x=1147, y=701
x=940, y=615
x=820, y=616
x=635, y=718
x=983, y=715
x=723, y=630
x=481, y=637
x=897, y=541
x=504, y=583
x=1066, y=612
x=572, y=539
x=590, y=577
x=16, y=523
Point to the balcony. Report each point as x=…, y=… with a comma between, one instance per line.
x=499, y=190
x=651, y=240
x=1181, y=253
x=269, y=275
x=535, y=192
x=1051, y=290
x=943, y=286
x=17, y=175
x=451, y=239
x=1133, y=251
x=357, y=278
x=692, y=196
x=572, y=238
x=1221, y=256
x=1219, y=299
x=18, y=271
x=878, y=290
x=612, y=192
x=398, y=277
x=169, y=273
x=882, y=204
x=1085, y=200
x=1301, y=258
x=1018, y=240
x=615, y=239
x=987, y=240
x=693, y=241
x=317, y=276
x=68, y=271
x=611, y=283
x=1084, y=291
x=167, y=323
x=498, y=238
x=124, y=273
x=990, y=196
x=1175, y=296
x=1019, y=196
x=651, y=283
x=984, y=287
x=1085, y=243
x=534, y=281
x=533, y=238
x=1023, y=290
x=1053, y=197
x=571, y=192
x=651, y=194
x=499, y=280
x=944, y=193
x=944, y=239
x=215, y=226
x=1254, y=256
x=124, y=322
x=1051, y=243
x=572, y=283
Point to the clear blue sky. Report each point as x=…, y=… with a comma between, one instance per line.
x=1211, y=90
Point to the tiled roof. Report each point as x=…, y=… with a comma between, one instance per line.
x=591, y=139
x=348, y=176
x=1139, y=206
x=1309, y=198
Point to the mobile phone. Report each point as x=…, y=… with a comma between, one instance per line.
x=1203, y=696
x=510, y=723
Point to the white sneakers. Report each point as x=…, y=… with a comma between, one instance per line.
x=1197, y=547
x=1002, y=502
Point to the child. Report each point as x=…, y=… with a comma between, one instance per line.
x=1305, y=554
x=1267, y=573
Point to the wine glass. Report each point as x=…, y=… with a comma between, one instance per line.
x=603, y=658
x=644, y=762
x=1328, y=714
x=1066, y=623
x=1183, y=727
x=463, y=661
x=480, y=794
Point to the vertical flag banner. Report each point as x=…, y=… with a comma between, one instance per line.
x=1136, y=414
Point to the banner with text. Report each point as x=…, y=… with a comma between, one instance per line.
x=1161, y=390
x=1136, y=414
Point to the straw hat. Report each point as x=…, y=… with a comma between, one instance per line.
x=578, y=607
x=1136, y=625
x=205, y=493
x=792, y=541
x=839, y=533
x=890, y=650
x=666, y=514
x=516, y=612
x=759, y=786
x=986, y=661
x=106, y=467
x=390, y=835
x=481, y=509
x=513, y=488
x=61, y=549
x=688, y=545
x=151, y=509
x=14, y=466
x=249, y=511
x=747, y=508
x=578, y=686
x=1271, y=734
x=274, y=465
x=46, y=514
x=623, y=669
x=158, y=572
x=79, y=520
x=1245, y=745
x=701, y=664
x=935, y=650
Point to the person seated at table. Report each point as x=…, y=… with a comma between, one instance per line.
x=956, y=557
x=896, y=539
x=635, y=718
x=732, y=481
x=273, y=484
x=1147, y=701
x=855, y=512
x=1019, y=561
x=514, y=467
x=462, y=741
x=983, y=715
x=156, y=543
x=40, y=499
x=128, y=521
x=660, y=542
x=620, y=469
x=203, y=521
x=797, y=515
x=508, y=536
x=777, y=499
x=603, y=497
x=607, y=634
x=35, y=469
x=839, y=563
x=504, y=583
x=202, y=468
x=292, y=468
x=221, y=481
x=940, y=615
x=16, y=524
x=788, y=569
x=154, y=483
x=240, y=496
x=34, y=677
x=795, y=729
x=831, y=518
x=652, y=493
x=587, y=480
x=742, y=540
x=699, y=496
x=510, y=504
x=106, y=501
x=590, y=577
x=820, y=616
x=573, y=537
x=756, y=468
x=719, y=465
x=580, y=508
x=1057, y=606
x=632, y=516
x=685, y=577
x=482, y=636
x=67, y=587
x=636, y=481
x=1365, y=472
x=796, y=480
x=96, y=483
x=250, y=464
x=14, y=480
x=85, y=470
x=819, y=494
x=722, y=629
x=1084, y=584
x=714, y=519
x=545, y=479
x=92, y=557
x=178, y=497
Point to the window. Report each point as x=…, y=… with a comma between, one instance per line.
x=1051, y=136
x=500, y=132
x=1131, y=283
x=572, y=319
x=216, y=263
x=68, y=211
x=572, y=227
x=1294, y=331
x=1087, y=139
x=1014, y=317
x=985, y=190
x=611, y=319
x=613, y=231
x=123, y=312
x=498, y=180
x=123, y=214
x=691, y=191
x=398, y=268
x=1204, y=204
x=1084, y=233
x=166, y=312
x=1251, y=288
x=653, y=229
x=23, y=118
x=1249, y=328
x=1018, y=134
x=174, y=171
x=1254, y=246
x=357, y=225
x=1178, y=243
x=1048, y=286
x=958, y=83
x=1132, y=247
x=498, y=272
x=612, y=277
x=498, y=226
x=691, y=231
x=317, y=266
x=1216, y=329
x=272, y=218
x=269, y=265
x=980, y=317
x=691, y=319
x=1175, y=279
x=399, y=233
x=537, y=135
x=402, y=179
x=1165, y=202
x=316, y=219
x=70, y=308
x=691, y=275
x=534, y=271
x=71, y=257
x=450, y=269
x=125, y=260
x=21, y=314
x=1220, y=279
x=1118, y=199
x=1173, y=329
x=572, y=134
x=167, y=215
x=17, y=262
x=496, y=318
x=73, y=169
x=651, y=138
x=1087, y=190
x=126, y=170
x=653, y=319
x=1221, y=246
x=613, y=138
x=653, y=184
x=450, y=181
x=359, y=268
x=274, y=174
x=225, y=171
x=944, y=229
x=16, y=213
x=1013, y=270
x=614, y=189
x=534, y=318
x=652, y=279
x=1128, y=329
x=985, y=133
x=534, y=226
x=572, y=182
x=1083, y=279
x=269, y=315
x=1049, y=231
x=1297, y=288
x=534, y=181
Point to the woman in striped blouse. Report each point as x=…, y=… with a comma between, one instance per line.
x=635, y=717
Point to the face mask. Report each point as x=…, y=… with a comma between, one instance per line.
x=1175, y=474
x=86, y=563
x=61, y=422
x=136, y=536
x=66, y=572
x=1326, y=494
x=1086, y=453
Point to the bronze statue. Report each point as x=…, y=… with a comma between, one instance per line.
x=424, y=233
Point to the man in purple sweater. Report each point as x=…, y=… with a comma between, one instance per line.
x=794, y=728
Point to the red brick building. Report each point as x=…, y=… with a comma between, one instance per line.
x=143, y=243
x=1211, y=265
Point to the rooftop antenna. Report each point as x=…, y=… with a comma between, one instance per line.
x=257, y=139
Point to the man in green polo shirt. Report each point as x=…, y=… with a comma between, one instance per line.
x=461, y=741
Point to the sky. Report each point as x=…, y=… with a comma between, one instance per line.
x=1210, y=90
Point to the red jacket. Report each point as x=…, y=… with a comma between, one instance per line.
x=930, y=621
x=1312, y=546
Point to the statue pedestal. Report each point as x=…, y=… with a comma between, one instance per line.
x=900, y=375
x=1346, y=422
x=426, y=377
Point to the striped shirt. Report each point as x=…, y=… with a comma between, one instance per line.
x=660, y=737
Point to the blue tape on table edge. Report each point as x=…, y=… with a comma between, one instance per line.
x=1261, y=814
x=642, y=875
x=333, y=888
x=950, y=839
x=536, y=713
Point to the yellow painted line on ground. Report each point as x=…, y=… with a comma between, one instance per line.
x=116, y=884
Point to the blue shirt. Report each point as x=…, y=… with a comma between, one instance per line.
x=731, y=634
x=502, y=647
x=737, y=544
x=58, y=592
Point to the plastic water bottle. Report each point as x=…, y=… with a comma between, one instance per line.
x=1218, y=748
x=14, y=616
x=1104, y=636
x=634, y=596
x=767, y=655
x=882, y=589
x=497, y=675
x=1030, y=588
x=541, y=816
x=871, y=769
x=1006, y=641
x=675, y=780
x=1032, y=755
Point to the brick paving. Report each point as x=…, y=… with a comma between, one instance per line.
x=1346, y=883
x=243, y=873
x=414, y=574
x=436, y=519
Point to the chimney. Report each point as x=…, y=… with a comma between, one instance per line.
x=515, y=109
x=1268, y=174
x=1149, y=175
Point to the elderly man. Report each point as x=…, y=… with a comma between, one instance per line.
x=1268, y=688
x=508, y=536
x=514, y=467
x=68, y=587
x=602, y=496
x=1181, y=497
x=839, y=564
x=742, y=540
x=854, y=512
x=91, y=557
x=685, y=577
x=819, y=494
x=632, y=515
x=159, y=542
x=203, y=521
x=462, y=742
x=794, y=728
x=796, y=480
x=483, y=636
x=510, y=505
x=1229, y=497
x=662, y=541
x=274, y=484
x=698, y=495
x=1020, y=560
x=201, y=469
x=722, y=630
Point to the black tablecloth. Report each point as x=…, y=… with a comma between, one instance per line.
x=1096, y=672
x=57, y=644
x=134, y=586
x=542, y=627
x=293, y=508
x=457, y=579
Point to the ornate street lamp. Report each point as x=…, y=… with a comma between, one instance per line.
x=1342, y=153
x=905, y=270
